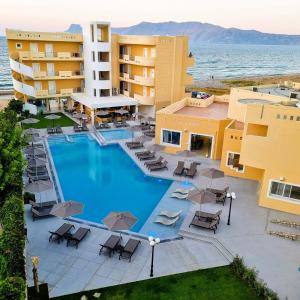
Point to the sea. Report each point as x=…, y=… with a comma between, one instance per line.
x=220, y=61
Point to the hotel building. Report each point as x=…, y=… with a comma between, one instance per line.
x=255, y=134
x=98, y=69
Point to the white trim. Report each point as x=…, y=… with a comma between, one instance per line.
x=168, y=144
x=207, y=135
x=282, y=198
x=231, y=167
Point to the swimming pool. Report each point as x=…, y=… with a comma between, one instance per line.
x=118, y=134
x=105, y=179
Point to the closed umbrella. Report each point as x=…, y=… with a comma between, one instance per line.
x=119, y=220
x=34, y=151
x=52, y=117
x=31, y=131
x=121, y=111
x=36, y=162
x=212, y=173
x=67, y=209
x=156, y=147
x=201, y=197
x=30, y=121
x=37, y=187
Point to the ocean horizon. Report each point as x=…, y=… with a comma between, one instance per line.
x=222, y=61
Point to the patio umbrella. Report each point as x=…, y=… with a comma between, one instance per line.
x=34, y=151
x=134, y=129
x=52, y=117
x=212, y=173
x=67, y=209
x=33, y=139
x=36, y=162
x=31, y=131
x=144, y=138
x=30, y=121
x=201, y=197
x=38, y=187
x=119, y=220
x=121, y=111
x=156, y=147
x=149, y=119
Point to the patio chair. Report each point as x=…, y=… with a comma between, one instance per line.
x=207, y=215
x=111, y=244
x=148, y=164
x=220, y=194
x=76, y=128
x=204, y=223
x=170, y=214
x=179, y=169
x=77, y=237
x=37, y=212
x=191, y=172
x=158, y=167
x=50, y=130
x=166, y=221
x=118, y=124
x=60, y=233
x=129, y=249
x=58, y=129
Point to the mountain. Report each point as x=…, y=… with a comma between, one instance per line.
x=74, y=28
x=209, y=33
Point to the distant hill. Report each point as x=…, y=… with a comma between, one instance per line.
x=74, y=28
x=208, y=33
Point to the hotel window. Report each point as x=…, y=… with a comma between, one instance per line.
x=94, y=75
x=298, y=119
x=18, y=45
x=284, y=117
x=287, y=191
x=291, y=118
x=278, y=116
x=233, y=161
x=171, y=137
x=93, y=55
x=95, y=92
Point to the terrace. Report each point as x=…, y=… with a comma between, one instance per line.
x=195, y=249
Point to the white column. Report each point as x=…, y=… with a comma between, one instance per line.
x=92, y=117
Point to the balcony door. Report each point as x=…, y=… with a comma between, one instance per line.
x=145, y=52
x=145, y=72
x=144, y=91
x=52, y=87
x=152, y=74
x=152, y=92
x=36, y=68
x=34, y=48
x=38, y=85
x=49, y=50
x=50, y=69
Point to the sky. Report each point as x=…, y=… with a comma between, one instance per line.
x=274, y=16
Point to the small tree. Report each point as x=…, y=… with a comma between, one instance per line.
x=16, y=105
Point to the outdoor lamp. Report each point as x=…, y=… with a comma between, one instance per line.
x=231, y=196
x=153, y=241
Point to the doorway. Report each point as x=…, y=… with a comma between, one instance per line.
x=201, y=144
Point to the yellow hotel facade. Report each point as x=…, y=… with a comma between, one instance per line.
x=99, y=69
x=255, y=133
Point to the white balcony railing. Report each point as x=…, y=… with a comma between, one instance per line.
x=20, y=68
x=24, y=88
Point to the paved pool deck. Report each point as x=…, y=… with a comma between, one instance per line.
x=276, y=259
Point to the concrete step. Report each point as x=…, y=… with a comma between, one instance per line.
x=208, y=239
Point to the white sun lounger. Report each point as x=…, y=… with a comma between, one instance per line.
x=179, y=196
x=166, y=221
x=183, y=191
x=170, y=214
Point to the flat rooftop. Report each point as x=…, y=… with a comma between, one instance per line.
x=216, y=110
x=278, y=91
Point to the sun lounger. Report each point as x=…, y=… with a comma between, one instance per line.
x=141, y=153
x=179, y=169
x=183, y=191
x=38, y=213
x=220, y=194
x=84, y=128
x=179, y=196
x=37, y=172
x=50, y=130
x=77, y=237
x=33, y=169
x=111, y=244
x=42, y=204
x=154, y=162
x=166, y=221
x=158, y=167
x=135, y=146
x=60, y=233
x=207, y=215
x=39, y=177
x=148, y=156
x=170, y=214
x=77, y=128
x=204, y=223
x=149, y=133
x=191, y=172
x=58, y=130
x=129, y=249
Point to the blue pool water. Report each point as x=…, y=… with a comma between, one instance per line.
x=105, y=179
x=118, y=134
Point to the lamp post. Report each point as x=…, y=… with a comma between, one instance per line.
x=153, y=241
x=35, y=262
x=231, y=196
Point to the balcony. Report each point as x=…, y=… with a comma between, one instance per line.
x=43, y=75
x=54, y=94
x=27, y=55
x=144, y=100
x=137, y=60
x=136, y=79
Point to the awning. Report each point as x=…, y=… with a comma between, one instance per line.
x=104, y=102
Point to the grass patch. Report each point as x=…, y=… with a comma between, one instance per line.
x=64, y=121
x=239, y=82
x=212, y=91
x=210, y=284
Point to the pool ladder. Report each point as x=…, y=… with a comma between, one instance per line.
x=68, y=139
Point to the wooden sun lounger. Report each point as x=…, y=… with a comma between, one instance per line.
x=147, y=157
x=154, y=162
x=184, y=191
x=37, y=172
x=179, y=169
x=166, y=221
x=207, y=215
x=141, y=153
x=50, y=130
x=39, y=177
x=60, y=233
x=191, y=172
x=179, y=196
x=158, y=167
x=77, y=237
x=58, y=130
x=111, y=244
x=170, y=214
x=37, y=212
x=204, y=223
x=129, y=249
x=42, y=204
x=135, y=146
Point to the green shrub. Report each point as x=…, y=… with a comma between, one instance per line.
x=16, y=105
x=250, y=275
x=28, y=196
x=12, y=288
